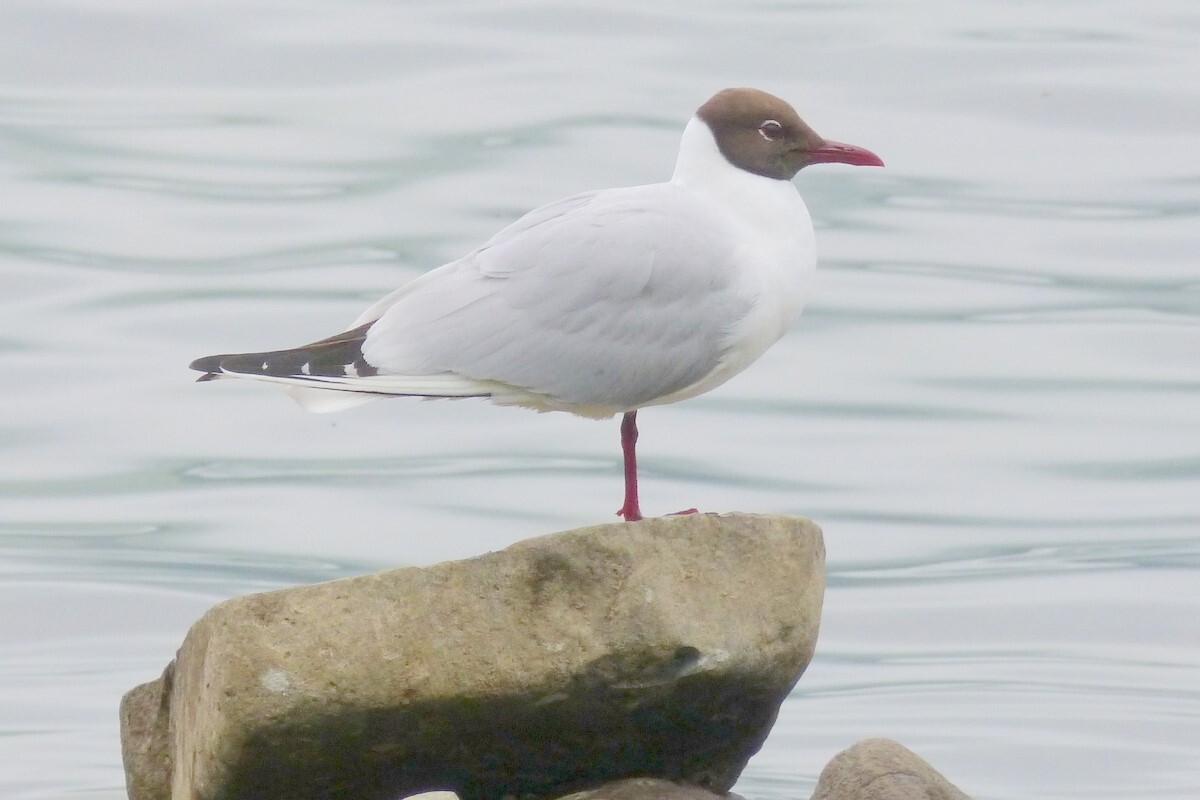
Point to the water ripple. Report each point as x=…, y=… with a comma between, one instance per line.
x=1076, y=521
x=224, y=190
x=1047, y=385
x=1042, y=276
x=1046, y=36
x=387, y=470
x=330, y=255
x=172, y=476
x=849, y=410
x=151, y=554
x=1053, y=559
x=1131, y=469
x=953, y=198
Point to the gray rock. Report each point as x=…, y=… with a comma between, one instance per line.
x=648, y=789
x=882, y=769
x=660, y=648
x=145, y=730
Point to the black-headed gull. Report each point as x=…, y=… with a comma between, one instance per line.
x=602, y=303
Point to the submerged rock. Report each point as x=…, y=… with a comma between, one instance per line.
x=648, y=789
x=661, y=648
x=882, y=769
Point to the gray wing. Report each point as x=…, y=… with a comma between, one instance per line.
x=608, y=299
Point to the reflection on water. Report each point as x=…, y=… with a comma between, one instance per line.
x=990, y=406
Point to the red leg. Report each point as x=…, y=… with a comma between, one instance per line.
x=631, y=511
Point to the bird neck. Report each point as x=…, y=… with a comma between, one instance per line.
x=702, y=167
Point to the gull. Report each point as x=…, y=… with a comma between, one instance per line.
x=602, y=303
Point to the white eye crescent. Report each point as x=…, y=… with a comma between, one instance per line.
x=771, y=130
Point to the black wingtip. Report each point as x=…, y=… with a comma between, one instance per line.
x=207, y=364
x=336, y=356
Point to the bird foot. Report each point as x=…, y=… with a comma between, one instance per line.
x=630, y=514
x=635, y=514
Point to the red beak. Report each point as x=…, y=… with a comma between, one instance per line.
x=838, y=153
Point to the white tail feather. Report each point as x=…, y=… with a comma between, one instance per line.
x=323, y=393
x=323, y=401
x=320, y=393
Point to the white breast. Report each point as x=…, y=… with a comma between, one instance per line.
x=776, y=252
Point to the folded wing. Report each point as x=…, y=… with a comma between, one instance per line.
x=596, y=304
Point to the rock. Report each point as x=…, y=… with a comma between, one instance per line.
x=882, y=769
x=661, y=648
x=648, y=789
x=145, y=728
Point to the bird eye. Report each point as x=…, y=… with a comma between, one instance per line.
x=771, y=130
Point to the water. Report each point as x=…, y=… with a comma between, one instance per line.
x=991, y=405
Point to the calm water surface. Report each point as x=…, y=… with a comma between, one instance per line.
x=992, y=405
